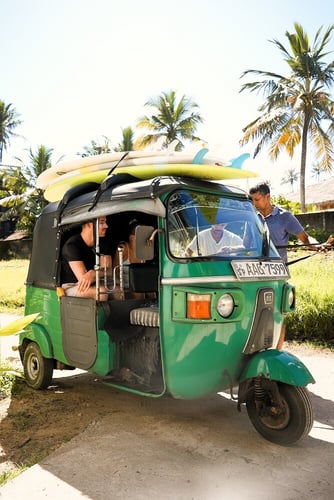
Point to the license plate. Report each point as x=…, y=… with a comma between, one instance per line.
x=259, y=270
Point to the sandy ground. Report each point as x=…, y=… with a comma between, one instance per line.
x=138, y=448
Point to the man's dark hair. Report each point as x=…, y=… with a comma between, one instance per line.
x=262, y=188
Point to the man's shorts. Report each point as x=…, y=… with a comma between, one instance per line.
x=70, y=289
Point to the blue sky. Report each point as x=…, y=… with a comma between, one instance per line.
x=76, y=70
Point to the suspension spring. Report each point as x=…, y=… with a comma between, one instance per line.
x=258, y=392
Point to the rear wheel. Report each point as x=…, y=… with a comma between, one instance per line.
x=37, y=369
x=283, y=416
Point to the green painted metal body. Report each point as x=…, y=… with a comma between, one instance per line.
x=203, y=357
x=198, y=357
x=47, y=331
x=278, y=365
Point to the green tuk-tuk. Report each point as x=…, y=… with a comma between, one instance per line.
x=183, y=324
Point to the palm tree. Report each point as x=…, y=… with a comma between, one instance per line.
x=296, y=105
x=24, y=201
x=172, y=119
x=9, y=120
x=102, y=145
x=317, y=170
x=127, y=143
x=291, y=177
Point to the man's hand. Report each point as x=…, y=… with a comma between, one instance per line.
x=327, y=245
x=86, y=280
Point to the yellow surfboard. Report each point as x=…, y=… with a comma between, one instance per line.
x=57, y=189
x=17, y=325
x=124, y=159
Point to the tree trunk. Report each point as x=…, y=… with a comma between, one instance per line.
x=303, y=163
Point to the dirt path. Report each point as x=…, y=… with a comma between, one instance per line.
x=103, y=443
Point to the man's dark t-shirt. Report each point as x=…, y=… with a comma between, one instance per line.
x=73, y=250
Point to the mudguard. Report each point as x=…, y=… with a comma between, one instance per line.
x=37, y=333
x=278, y=365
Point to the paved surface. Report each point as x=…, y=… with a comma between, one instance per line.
x=202, y=450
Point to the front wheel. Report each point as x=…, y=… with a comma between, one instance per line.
x=283, y=415
x=37, y=369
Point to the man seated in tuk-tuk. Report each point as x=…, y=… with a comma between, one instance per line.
x=78, y=262
x=214, y=240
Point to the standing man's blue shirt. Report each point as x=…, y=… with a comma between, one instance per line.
x=281, y=223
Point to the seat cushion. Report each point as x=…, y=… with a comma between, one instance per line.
x=145, y=316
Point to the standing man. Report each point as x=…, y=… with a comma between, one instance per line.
x=280, y=222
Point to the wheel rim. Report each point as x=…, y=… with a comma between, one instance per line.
x=33, y=367
x=275, y=420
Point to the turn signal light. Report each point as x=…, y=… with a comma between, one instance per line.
x=198, y=306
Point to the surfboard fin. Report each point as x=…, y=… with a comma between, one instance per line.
x=198, y=158
x=238, y=161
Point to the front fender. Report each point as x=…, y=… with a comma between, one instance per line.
x=277, y=365
x=37, y=333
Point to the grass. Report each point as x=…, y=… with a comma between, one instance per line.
x=9, y=475
x=313, y=320
x=13, y=274
x=314, y=275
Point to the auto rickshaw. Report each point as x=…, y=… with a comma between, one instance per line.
x=183, y=325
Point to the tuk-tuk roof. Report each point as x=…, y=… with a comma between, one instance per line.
x=141, y=196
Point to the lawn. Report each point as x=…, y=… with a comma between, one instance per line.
x=13, y=274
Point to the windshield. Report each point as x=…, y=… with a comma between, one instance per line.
x=201, y=225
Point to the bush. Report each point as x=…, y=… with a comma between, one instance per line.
x=8, y=378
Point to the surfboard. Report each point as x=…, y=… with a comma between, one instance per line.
x=107, y=159
x=58, y=188
x=80, y=166
x=17, y=325
x=156, y=161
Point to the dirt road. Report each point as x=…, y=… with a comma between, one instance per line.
x=201, y=450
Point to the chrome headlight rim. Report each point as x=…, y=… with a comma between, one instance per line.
x=225, y=305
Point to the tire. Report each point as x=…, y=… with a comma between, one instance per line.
x=288, y=426
x=37, y=369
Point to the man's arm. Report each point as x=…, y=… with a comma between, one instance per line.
x=306, y=239
x=85, y=278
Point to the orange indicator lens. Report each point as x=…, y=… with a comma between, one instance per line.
x=198, y=306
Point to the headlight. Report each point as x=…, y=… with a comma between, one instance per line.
x=225, y=305
x=288, y=298
x=291, y=298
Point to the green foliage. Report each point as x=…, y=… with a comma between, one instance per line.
x=127, y=143
x=171, y=120
x=313, y=318
x=291, y=206
x=319, y=234
x=8, y=377
x=9, y=120
x=97, y=147
x=13, y=274
x=26, y=201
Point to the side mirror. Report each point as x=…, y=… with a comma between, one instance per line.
x=145, y=242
